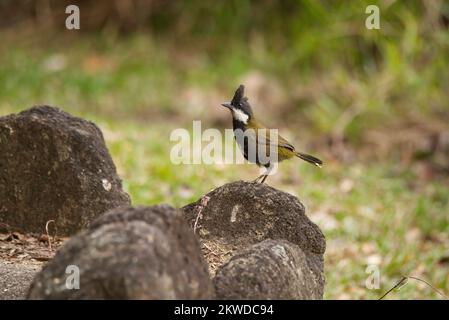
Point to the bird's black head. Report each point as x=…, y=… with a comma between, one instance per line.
x=239, y=106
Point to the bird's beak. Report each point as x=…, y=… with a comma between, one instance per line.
x=227, y=105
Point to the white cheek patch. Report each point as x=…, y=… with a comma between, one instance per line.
x=240, y=116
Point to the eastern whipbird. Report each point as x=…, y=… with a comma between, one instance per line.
x=252, y=137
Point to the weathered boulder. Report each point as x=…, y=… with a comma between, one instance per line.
x=239, y=214
x=272, y=269
x=54, y=166
x=132, y=253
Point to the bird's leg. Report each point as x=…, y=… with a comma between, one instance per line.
x=265, y=175
x=264, y=178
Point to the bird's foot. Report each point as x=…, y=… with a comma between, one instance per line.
x=260, y=179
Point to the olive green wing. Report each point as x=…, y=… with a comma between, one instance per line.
x=265, y=136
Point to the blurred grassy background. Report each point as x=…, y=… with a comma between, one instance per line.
x=372, y=103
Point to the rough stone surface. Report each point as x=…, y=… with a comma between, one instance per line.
x=272, y=269
x=54, y=166
x=239, y=214
x=15, y=280
x=132, y=253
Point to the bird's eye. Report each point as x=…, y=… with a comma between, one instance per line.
x=240, y=104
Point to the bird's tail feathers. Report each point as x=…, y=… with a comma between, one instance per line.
x=309, y=158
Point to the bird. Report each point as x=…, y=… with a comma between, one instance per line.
x=258, y=143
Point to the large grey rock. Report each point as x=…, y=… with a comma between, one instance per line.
x=239, y=214
x=133, y=253
x=272, y=269
x=54, y=166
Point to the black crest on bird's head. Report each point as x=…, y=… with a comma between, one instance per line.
x=238, y=96
x=239, y=101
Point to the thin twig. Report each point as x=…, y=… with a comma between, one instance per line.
x=400, y=283
x=204, y=201
x=48, y=235
x=210, y=250
x=431, y=286
x=404, y=281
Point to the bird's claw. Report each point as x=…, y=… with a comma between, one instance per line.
x=260, y=179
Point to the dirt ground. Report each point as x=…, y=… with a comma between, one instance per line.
x=21, y=257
